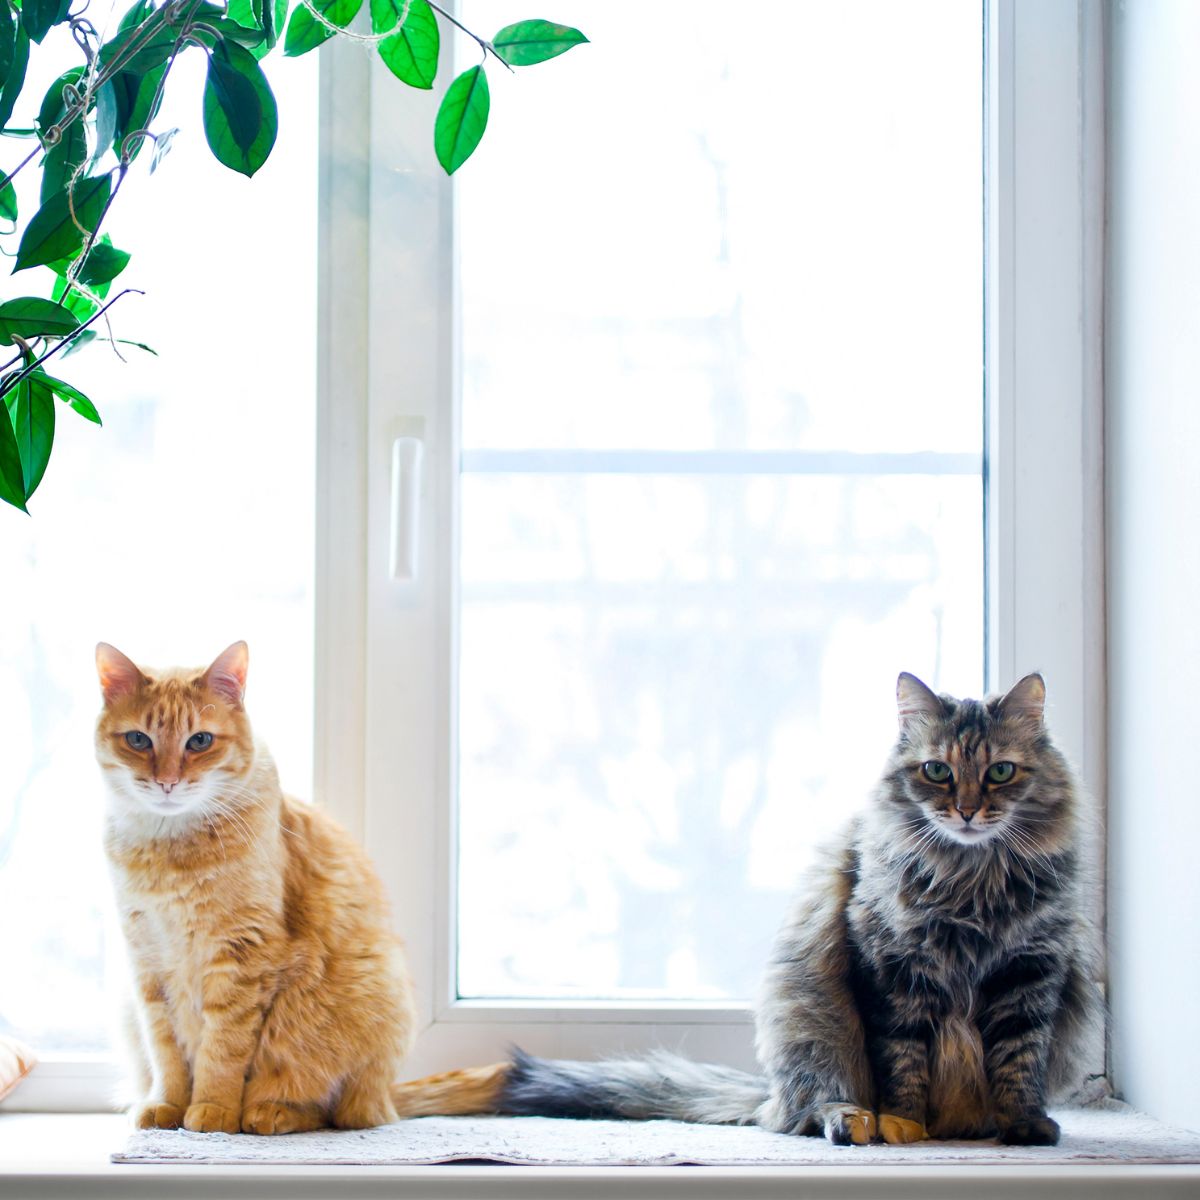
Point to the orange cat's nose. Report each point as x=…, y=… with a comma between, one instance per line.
x=168, y=784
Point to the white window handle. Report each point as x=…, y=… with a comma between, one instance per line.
x=406, y=508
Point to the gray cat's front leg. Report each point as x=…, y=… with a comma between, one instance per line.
x=1021, y=1000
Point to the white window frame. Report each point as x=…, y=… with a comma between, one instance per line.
x=1045, y=592
x=385, y=653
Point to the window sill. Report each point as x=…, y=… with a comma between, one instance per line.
x=46, y=1155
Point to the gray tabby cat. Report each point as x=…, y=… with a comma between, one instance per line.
x=935, y=976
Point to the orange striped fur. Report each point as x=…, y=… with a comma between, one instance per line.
x=269, y=991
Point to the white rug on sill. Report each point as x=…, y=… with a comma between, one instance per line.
x=1109, y=1132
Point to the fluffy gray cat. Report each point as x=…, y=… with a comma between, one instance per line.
x=935, y=977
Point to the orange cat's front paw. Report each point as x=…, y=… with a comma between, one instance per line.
x=154, y=1114
x=212, y=1118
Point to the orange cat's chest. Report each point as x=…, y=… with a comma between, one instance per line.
x=181, y=918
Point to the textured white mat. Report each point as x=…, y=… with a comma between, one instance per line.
x=1108, y=1133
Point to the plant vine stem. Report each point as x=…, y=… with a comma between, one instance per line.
x=23, y=163
x=76, y=110
x=33, y=366
x=91, y=237
x=484, y=44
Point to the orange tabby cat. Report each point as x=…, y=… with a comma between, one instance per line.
x=270, y=993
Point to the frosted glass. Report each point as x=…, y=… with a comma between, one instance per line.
x=738, y=235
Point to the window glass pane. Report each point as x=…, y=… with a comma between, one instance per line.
x=721, y=305
x=183, y=524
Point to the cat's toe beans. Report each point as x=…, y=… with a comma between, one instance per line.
x=211, y=1118
x=1031, y=1131
x=156, y=1115
x=900, y=1131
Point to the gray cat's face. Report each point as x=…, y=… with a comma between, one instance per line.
x=970, y=768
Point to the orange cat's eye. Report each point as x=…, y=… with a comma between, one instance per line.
x=200, y=741
x=135, y=739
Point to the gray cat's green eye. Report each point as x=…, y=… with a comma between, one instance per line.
x=936, y=772
x=200, y=741
x=137, y=740
x=1001, y=772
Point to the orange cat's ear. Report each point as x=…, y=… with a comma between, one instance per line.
x=227, y=675
x=118, y=675
x=915, y=700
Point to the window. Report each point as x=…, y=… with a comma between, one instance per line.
x=561, y=511
x=720, y=474
x=485, y=673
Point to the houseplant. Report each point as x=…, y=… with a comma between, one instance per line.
x=97, y=118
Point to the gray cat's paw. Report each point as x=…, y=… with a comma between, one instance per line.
x=846, y=1125
x=1031, y=1131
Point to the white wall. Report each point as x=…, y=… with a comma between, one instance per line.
x=1153, y=464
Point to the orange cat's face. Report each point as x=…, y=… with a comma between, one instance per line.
x=173, y=743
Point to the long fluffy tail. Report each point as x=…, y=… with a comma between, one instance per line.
x=456, y=1093
x=659, y=1086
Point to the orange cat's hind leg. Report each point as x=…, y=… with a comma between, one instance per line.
x=280, y=1102
x=276, y=1116
x=366, y=1099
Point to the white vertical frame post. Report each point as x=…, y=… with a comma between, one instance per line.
x=1045, y=116
x=1044, y=353
x=340, y=658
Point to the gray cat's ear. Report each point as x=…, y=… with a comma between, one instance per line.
x=1026, y=699
x=227, y=675
x=914, y=701
x=119, y=676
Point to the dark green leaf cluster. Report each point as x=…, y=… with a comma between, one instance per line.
x=99, y=114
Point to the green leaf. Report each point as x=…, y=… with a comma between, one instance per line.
x=106, y=123
x=12, y=476
x=8, y=39
x=52, y=233
x=461, y=119
x=274, y=20
x=70, y=395
x=162, y=147
x=305, y=32
x=39, y=16
x=240, y=116
x=79, y=341
x=53, y=105
x=135, y=95
x=529, y=42
x=8, y=203
x=104, y=263
x=412, y=54
x=269, y=18
x=31, y=410
x=31, y=317
x=231, y=31
x=16, y=77
x=63, y=159
x=74, y=301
